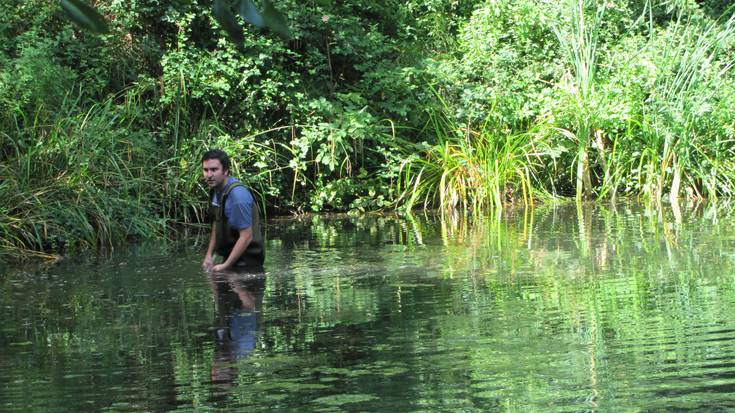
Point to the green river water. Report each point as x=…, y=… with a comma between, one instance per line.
x=610, y=309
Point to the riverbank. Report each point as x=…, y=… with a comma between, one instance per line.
x=461, y=106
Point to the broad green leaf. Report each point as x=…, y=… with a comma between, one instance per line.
x=84, y=15
x=250, y=14
x=275, y=20
x=226, y=19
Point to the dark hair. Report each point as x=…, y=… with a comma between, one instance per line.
x=220, y=155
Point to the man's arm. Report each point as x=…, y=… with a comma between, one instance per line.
x=246, y=235
x=209, y=257
x=246, y=296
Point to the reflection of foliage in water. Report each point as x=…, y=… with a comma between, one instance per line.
x=595, y=277
x=626, y=276
x=585, y=309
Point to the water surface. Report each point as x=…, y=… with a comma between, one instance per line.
x=555, y=309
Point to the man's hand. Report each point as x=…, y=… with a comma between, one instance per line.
x=209, y=256
x=219, y=268
x=208, y=263
x=240, y=246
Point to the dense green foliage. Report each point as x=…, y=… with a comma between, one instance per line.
x=369, y=105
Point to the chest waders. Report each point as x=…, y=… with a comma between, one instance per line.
x=226, y=236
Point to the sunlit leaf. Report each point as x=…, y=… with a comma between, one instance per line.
x=275, y=20
x=226, y=19
x=250, y=14
x=84, y=15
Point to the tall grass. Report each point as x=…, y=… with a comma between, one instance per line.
x=671, y=138
x=685, y=151
x=467, y=169
x=578, y=39
x=82, y=179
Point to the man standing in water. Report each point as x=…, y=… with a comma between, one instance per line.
x=236, y=235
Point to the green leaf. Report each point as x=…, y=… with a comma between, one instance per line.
x=250, y=14
x=85, y=16
x=275, y=20
x=226, y=19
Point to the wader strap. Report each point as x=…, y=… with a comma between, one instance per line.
x=225, y=193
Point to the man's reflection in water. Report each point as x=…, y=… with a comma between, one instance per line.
x=238, y=297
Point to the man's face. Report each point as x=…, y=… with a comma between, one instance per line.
x=214, y=175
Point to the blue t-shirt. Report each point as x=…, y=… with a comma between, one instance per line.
x=243, y=326
x=239, y=206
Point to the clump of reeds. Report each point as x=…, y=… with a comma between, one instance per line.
x=469, y=169
x=78, y=179
x=684, y=150
x=578, y=40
